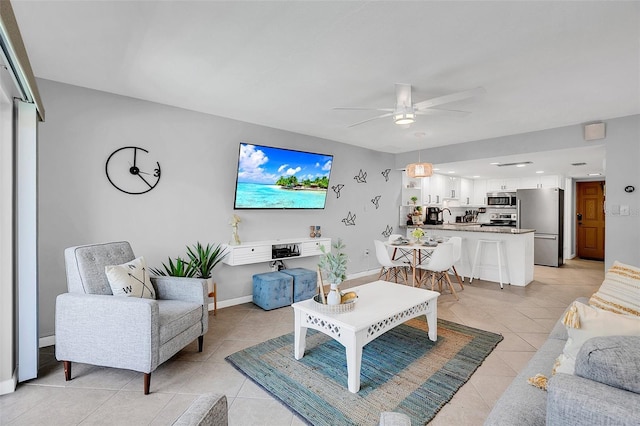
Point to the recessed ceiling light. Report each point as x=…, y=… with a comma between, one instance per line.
x=435, y=169
x=540, y=171
x=594, y=174
x=518, y=164
x=450, y=171
x=494, y=164
x=476, y=176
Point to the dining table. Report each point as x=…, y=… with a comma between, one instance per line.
x=413, y=252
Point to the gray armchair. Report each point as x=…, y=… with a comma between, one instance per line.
x=94, y=327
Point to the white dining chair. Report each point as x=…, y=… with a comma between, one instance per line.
x=389, y=267
x=457, y=255
x=438, y=267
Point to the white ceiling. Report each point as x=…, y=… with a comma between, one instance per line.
x=287, y=64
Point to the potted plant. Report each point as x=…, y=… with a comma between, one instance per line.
x=334, y=267
x=414, y=199
x=204, y=259
x=181, y=268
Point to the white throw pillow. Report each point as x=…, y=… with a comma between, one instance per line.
x=620, y=290
x=130, y=279
x=593, y=322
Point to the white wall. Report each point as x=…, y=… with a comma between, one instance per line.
x=622, y=233
x=622, y=143
x=194, y=200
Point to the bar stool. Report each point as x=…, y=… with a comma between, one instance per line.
x=498, y=245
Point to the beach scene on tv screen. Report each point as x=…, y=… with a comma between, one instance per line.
x=281, y=179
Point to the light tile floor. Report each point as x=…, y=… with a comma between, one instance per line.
x=523, y=315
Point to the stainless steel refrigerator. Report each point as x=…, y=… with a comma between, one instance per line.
x=543, y=210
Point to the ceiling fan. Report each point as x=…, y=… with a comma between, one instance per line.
x=405, y=110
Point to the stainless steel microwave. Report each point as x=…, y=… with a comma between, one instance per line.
x=501, y=199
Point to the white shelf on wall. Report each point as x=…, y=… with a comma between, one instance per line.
x=267, y=251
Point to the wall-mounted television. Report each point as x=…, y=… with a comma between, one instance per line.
x=278, y=178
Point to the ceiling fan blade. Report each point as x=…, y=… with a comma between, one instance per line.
x=449, y=98
x=432, y=111
x=371, y=119
x=364, y=109
x=403, y=95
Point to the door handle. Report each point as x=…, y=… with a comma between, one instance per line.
x=545, y=237
x=579, y=216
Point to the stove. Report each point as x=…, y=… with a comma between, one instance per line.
x=502, y=219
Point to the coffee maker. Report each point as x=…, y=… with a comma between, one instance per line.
x=433, y=216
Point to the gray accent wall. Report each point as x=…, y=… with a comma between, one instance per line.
x=198, y=155
x=194, y=200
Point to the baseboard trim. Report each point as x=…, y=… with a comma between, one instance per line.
x=232, y=302
x=9, y=385
x=363, y=274
x=43, y=342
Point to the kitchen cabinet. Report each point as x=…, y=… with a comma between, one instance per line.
x=435, y=189
x=498, y=185
x=451, y=189
x=466, y=192
x=542, y=181
x=479, y=192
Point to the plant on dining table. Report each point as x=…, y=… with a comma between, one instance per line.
x=417, y=233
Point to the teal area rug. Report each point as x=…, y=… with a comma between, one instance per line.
x=402, y=370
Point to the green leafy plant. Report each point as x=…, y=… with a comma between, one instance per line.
x=204, y=259
x=181, y=268
x=334, y=265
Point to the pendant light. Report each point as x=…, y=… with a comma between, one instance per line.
x=419, y=170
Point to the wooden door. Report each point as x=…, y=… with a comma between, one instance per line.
x=590, y=220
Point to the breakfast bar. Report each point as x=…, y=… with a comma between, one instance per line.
x=516, y=263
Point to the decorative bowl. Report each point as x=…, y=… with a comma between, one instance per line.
x=333, y=309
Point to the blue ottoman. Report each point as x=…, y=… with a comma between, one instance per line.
x=305, y=283
x=272, y=290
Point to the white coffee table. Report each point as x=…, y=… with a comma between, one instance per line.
x=380, y=307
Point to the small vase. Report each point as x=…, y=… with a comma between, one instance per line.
x=333, y=298
x=312, y=231
x=235, y=238
x=318, y=233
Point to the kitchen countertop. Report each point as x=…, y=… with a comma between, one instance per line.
x=474, y=227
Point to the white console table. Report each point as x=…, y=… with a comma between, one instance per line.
x=263, y=251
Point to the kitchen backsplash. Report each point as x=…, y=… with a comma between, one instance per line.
x=482, y=217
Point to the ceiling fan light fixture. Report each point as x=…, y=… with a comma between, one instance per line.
x=419, y=170
x=405, y=116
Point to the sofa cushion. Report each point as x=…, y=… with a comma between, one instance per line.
x=593, y=322
x=612, y=360
x=130, y=279
x=176, y=316
x=522, y=404
x=620, y=290
x=209, y=409
x=577, y=401
x=85, y=266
